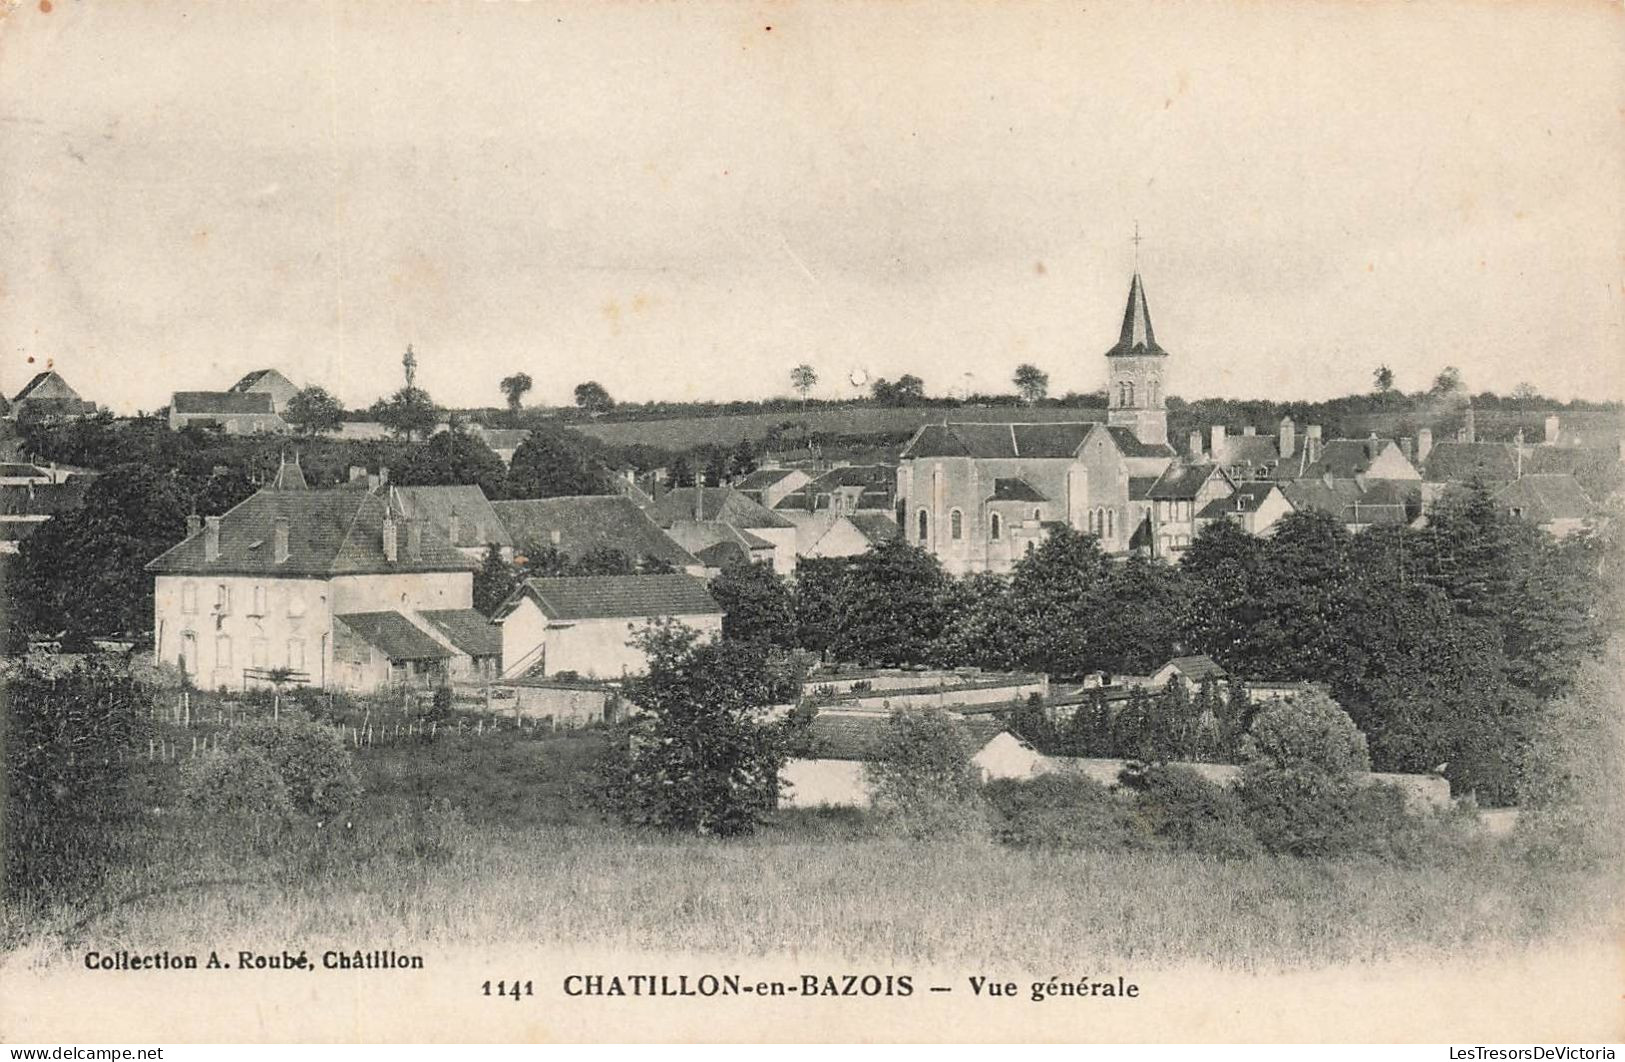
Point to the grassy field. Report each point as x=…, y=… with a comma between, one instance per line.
x=475, y=842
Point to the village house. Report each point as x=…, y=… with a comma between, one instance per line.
x=850, y=535
x=820, y=504
x=331, y=585
x=767, y=486
x=504, y=442
x=719, y=526
x=31, y=495
x=578, y=525
x=48, y=396
x=462, y=515
x=583, y=626
x=978, y=496
x=267, y=382
x=232, y=412
x=830, y=771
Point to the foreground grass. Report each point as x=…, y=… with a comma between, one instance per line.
x=425, y=882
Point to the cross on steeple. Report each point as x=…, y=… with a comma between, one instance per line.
x=1135, y=240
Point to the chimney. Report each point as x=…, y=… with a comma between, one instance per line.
x=358, y=473
x=383, y=475
x=1407, y=446
x=414, y=539
x=1424, y=444
x=1311, y=442
x=1249, y=431
x=281, y=535
x=1195, y=444
x=194, y=524
x=211, y=538
x=372, y=482
x=699, y=499
x=1551, y=429
x=390, y=544
x=1217, y=446
x=453, y=527
x=1288, y=437
x=1372, y=445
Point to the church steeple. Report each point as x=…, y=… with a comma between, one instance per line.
x=1137, y=369
x=1137, y=338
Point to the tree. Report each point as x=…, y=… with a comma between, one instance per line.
x=818, y=595
x=1447, y=383
x=803, y=378
x=756, y=604
x=680, y=473
x=907, y=390
x=1061, y=614
x=495, y=580
x=1298, y=785
x=1383, y=379
x=312, y=411
x=699, y=757
x=593, y=398
x=1032, y=383
x=891, y=606
x=514, y=388
x=409, y=413
x=742, y=462
x=554, y=463
x=453, y=458
x=922, y=777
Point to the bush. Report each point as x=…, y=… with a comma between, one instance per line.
x=1188, y=813
x=1298, y=783
x=922, y=779
x=1059, y=811
x=1308, y=731
x=311, y=760
x=235, y=782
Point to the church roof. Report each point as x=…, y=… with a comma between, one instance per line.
x=1014, y=488
x=1131, y=446
x=1136, y=338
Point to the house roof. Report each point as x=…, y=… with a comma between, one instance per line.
x=1196, y=668
x=585, y=523
x=1182, y=481
x=330, y=532
x=762, y=478
x=838, y=735
x=1251, y=450
x=13, y=470
x=875, y=527
x=263, y=378
x=477, y=521
x=1136, y=337
x=722, y=553
x=1014, y=488
x=715, y=544
x=1545, y=498
x=47, y=384
x=468, y=629
x=1139, y=487
x=616, y=597
x=1463, y=462
x=43, y=499
x=1347, y=457
x=1249, y=496
x=1376, y=502
x=394, y=635
x=220, y=403
x=716, y=503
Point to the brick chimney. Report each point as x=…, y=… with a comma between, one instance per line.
x=281, y=535
x=414, y=539
x=1372, y=446
x=391, y=545
x=699, y=499
x=194, y=524
x=1216, y=434
x=383, y=475
x=211, y=538
x=1424, y=443
x=1311, y=442
x=1288, y=438
x=1195, y=444
x=1552, y=427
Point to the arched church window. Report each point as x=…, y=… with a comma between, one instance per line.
x=994, y=528
x=1036, y=515
x=1151, y=393
x=956, y=524
x=1129, y=389
x=1111, y=523
x=925, y=526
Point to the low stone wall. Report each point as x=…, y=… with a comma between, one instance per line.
x=562, y=705
x=1422, y=791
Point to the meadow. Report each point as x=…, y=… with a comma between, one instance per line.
x=474, y=841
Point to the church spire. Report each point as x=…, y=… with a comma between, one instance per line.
x=1136, y=337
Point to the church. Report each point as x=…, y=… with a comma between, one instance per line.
x=979, y=495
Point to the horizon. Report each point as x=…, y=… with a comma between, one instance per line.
x=515, y=189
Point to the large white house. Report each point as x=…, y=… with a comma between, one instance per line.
x=340, y=587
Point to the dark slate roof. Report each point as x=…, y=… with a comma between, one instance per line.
x=586, y=523
x=251, y=380
x=1139, y=487
x=716, y=503
x=857, y=735
x=722, y=553
x=1376, y=503
x=221, y=403
x=394, y=635
x=1463, y=462
x=44, y=499
x=20, y=471
x=1131, y=446
x=1181, y=481
x=1197, y=668
x=1250, y=450
x=1015, y=488
x=875, y=527
x=1056, y=439
x=467, y=629
x=1344, y=458
x=1247, y=499
x=1136, y=337
x=50, y=384
x=468, y=503
x=762, y=477
x=1544, y=498
x=618, y=596
x=330, y=532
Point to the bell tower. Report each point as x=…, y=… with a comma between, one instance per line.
x=1136, y=373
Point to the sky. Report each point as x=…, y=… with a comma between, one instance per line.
x=685, y=200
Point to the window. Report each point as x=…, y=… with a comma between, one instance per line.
x=189, y=597
x=993, y=527
x=259, y=600
x=1128, y=390
x=188, y=658
x=296, y=602
x=925, y=526
x=1111, y=523
x=1036, y=515
x=296, y=654
x=956, y=524
x=222, y=651
x=222, y=599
